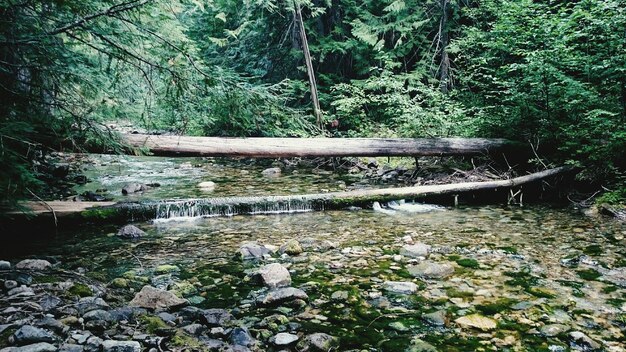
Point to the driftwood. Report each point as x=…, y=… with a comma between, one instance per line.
x=316, y=147
x=134, y=211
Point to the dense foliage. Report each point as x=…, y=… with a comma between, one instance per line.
x=550, y=73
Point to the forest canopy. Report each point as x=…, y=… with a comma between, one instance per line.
x=548, y=73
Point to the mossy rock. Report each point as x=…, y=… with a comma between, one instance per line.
x=152, y=323
x=80, y=290
x=166, y=269
x=468, y=263
x=542, y=292
x=119, y=282
x=588, y=274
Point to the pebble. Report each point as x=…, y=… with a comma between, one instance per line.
x=403, y=287
x=284, y=339
x=418, y=250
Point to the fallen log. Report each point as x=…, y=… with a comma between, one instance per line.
x=316, y=147
x=228, y=206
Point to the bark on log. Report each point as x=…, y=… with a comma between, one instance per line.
x=137, y=211
x=316, y=147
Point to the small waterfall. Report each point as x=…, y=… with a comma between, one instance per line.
x=230, y=206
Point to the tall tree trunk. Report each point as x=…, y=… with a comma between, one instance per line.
x=444, y=40
x=317, y=111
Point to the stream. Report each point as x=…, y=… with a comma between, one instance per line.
x=489, y=278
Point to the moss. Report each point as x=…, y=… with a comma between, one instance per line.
x=454, y=257
x=43, y=279
x=588, y=274
x=189, y=343
x=453, y=292
x=521, y=278
x=80, y=290
x=496, y=307
x=508, y=250
x=593, y=250
x=609, y=289
x=468, y=263
x=541, y=292
x=152, y=323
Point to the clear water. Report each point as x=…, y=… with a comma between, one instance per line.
x=518, y=278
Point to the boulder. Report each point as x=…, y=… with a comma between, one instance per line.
x=281, y=295
x=431, y=270
x=476, y=321
x=241, y=337
x=154, y=298
x=273, y=275
x=121, y=346
x=403, y=287
x=130, y=231
x=35, y=347
x=131, y=188
x=418, y=250
x=217, y=317
x=253, y=250
x=29, y=334
x=319, y=342
x=33, y=264
x=291, y=247
x=284, y=339
x=4, y=265
x=271, y=172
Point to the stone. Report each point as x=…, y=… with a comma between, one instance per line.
x=403, y=287
x=33, y=264
x=52, y=324
x=22, y=291
x=398, y=326
x=419, y=345
x=291, y=247
x=241, y=336
x=121, y=346
x=98, y=314
x=271, y=172
x=49, y=302
x=437, y=318
x=119, y=282
x=166, y=268
x=616, y=276
x=70, y=347
x=29, y=334
x=131, y=188
x=585, y=341
x=10, y=284
x=281, y=295
x=552, y=330
x=4, y=265
x=207, y=186
x=339, y=296
x=154, y=298
x=35, y=347
x=431, y=270
x=217, y=317
x=284, y=339
x=194, y=329
x=130, y=231
x=87, y=304
x=253, y=250
x=476, y=321
x=418, y=250
x=93, y=344
x=273, y=276
x=320, y=342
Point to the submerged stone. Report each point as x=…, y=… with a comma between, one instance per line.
x=476, y=321
x=273, y=275
x=281, y=295
x=253, y=251
x=403, y=287
x=131, y=188
x=284, y=339
x=130, y=231
x=431, y=270
x=418, y=250
x=33, y=264
x=154, y=298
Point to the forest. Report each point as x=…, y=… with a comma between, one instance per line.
x=312, y=175
x=551, y=74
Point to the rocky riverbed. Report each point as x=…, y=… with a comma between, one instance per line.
x=490, y=279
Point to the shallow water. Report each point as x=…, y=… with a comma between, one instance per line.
x=507, y=266
x=179, y=178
